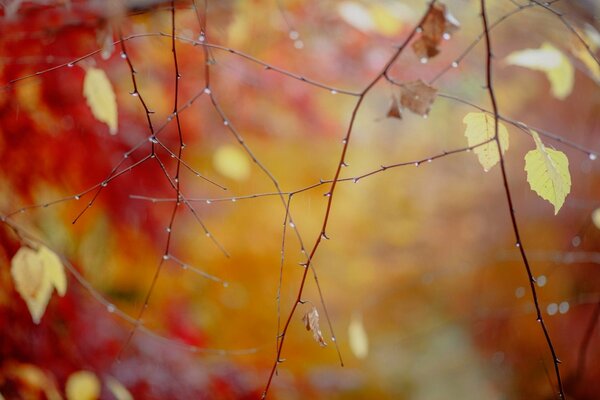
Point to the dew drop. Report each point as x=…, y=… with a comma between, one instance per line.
x=123, y=55
x=576, y=241
x=328, y=194
x=134, y=94
x=233, y=200
x=207, y=90
x=225, y=122
x=111, y=308
x=153, y=139
x=207, y=234
x=429, y=160
x=292, y=225
x=419, y=29
x=166, y=257
x=355, y=180
x=76, y=197
x=324, y=236
x=516, y=244
x=416, y=164
x=104, y=184
x=344, y=141
x=593, y=156
x=333, y=91
x=424, y=116
x=70, y=65
x=202, y=37
x=294, y=35
x=424, y=60
x=184, y=266
x=298, y=44
x=446, y=36
x=454, y=64
x=168, y=229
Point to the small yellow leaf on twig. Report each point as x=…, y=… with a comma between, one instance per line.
x=36, y=273
x=311, y=323
x=82, y=385
x=553, y=62
x=357, y=336
x=101, y=98
x=480, y=128
x=548, y=173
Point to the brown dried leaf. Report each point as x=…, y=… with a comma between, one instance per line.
x=417, y=96
x=311, y=323
x=394, y=111
x=438, y=24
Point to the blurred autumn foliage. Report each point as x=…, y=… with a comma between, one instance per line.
x=184, y=235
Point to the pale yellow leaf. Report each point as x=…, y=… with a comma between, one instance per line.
x=311, y=323
x=101, y=98
x=82, y=385
x=480, y=128
x=596, y=217
x=36, y=273
x=117, y=389
x=553, y=62
x=548, y=173
x=231, y=162
x=357, y=337
x=53, y=269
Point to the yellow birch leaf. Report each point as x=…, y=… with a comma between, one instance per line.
x=36, y=273
x=82, y=385
x=231, y=162
x=357, y=337
x=118, y=390
x=101, y=98
x=550, y=60
x=548, y=173
x=480, y=128
x=596, y=217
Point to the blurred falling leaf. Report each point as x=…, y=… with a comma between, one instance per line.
x=104, y=37
x=548, y=173
x=553, y=62
x=82, y=385
x=357, y=336
x=100, y=96
x=394, y=111
x=117, y=389
x=417, y=96
x=379, y=18
x=231, y=162
x=439, y=24
x=311, y=323
x=36, y=273
x=480, y=128
x=596, y=217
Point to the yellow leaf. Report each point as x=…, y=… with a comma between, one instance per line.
x=101, y=98
x=596, y=217
x=36, y=273
x=118, y=390
x=231, y=162
x=550, y=60
x=548, y=173
x=480, y=128
x=357, y=336
x=82, y=385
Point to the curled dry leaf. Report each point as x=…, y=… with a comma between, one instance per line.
x=439, y=24
x=417, y=96
x=394, y=111
x=98, y=92
x=36, y=273
x=311, y=323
